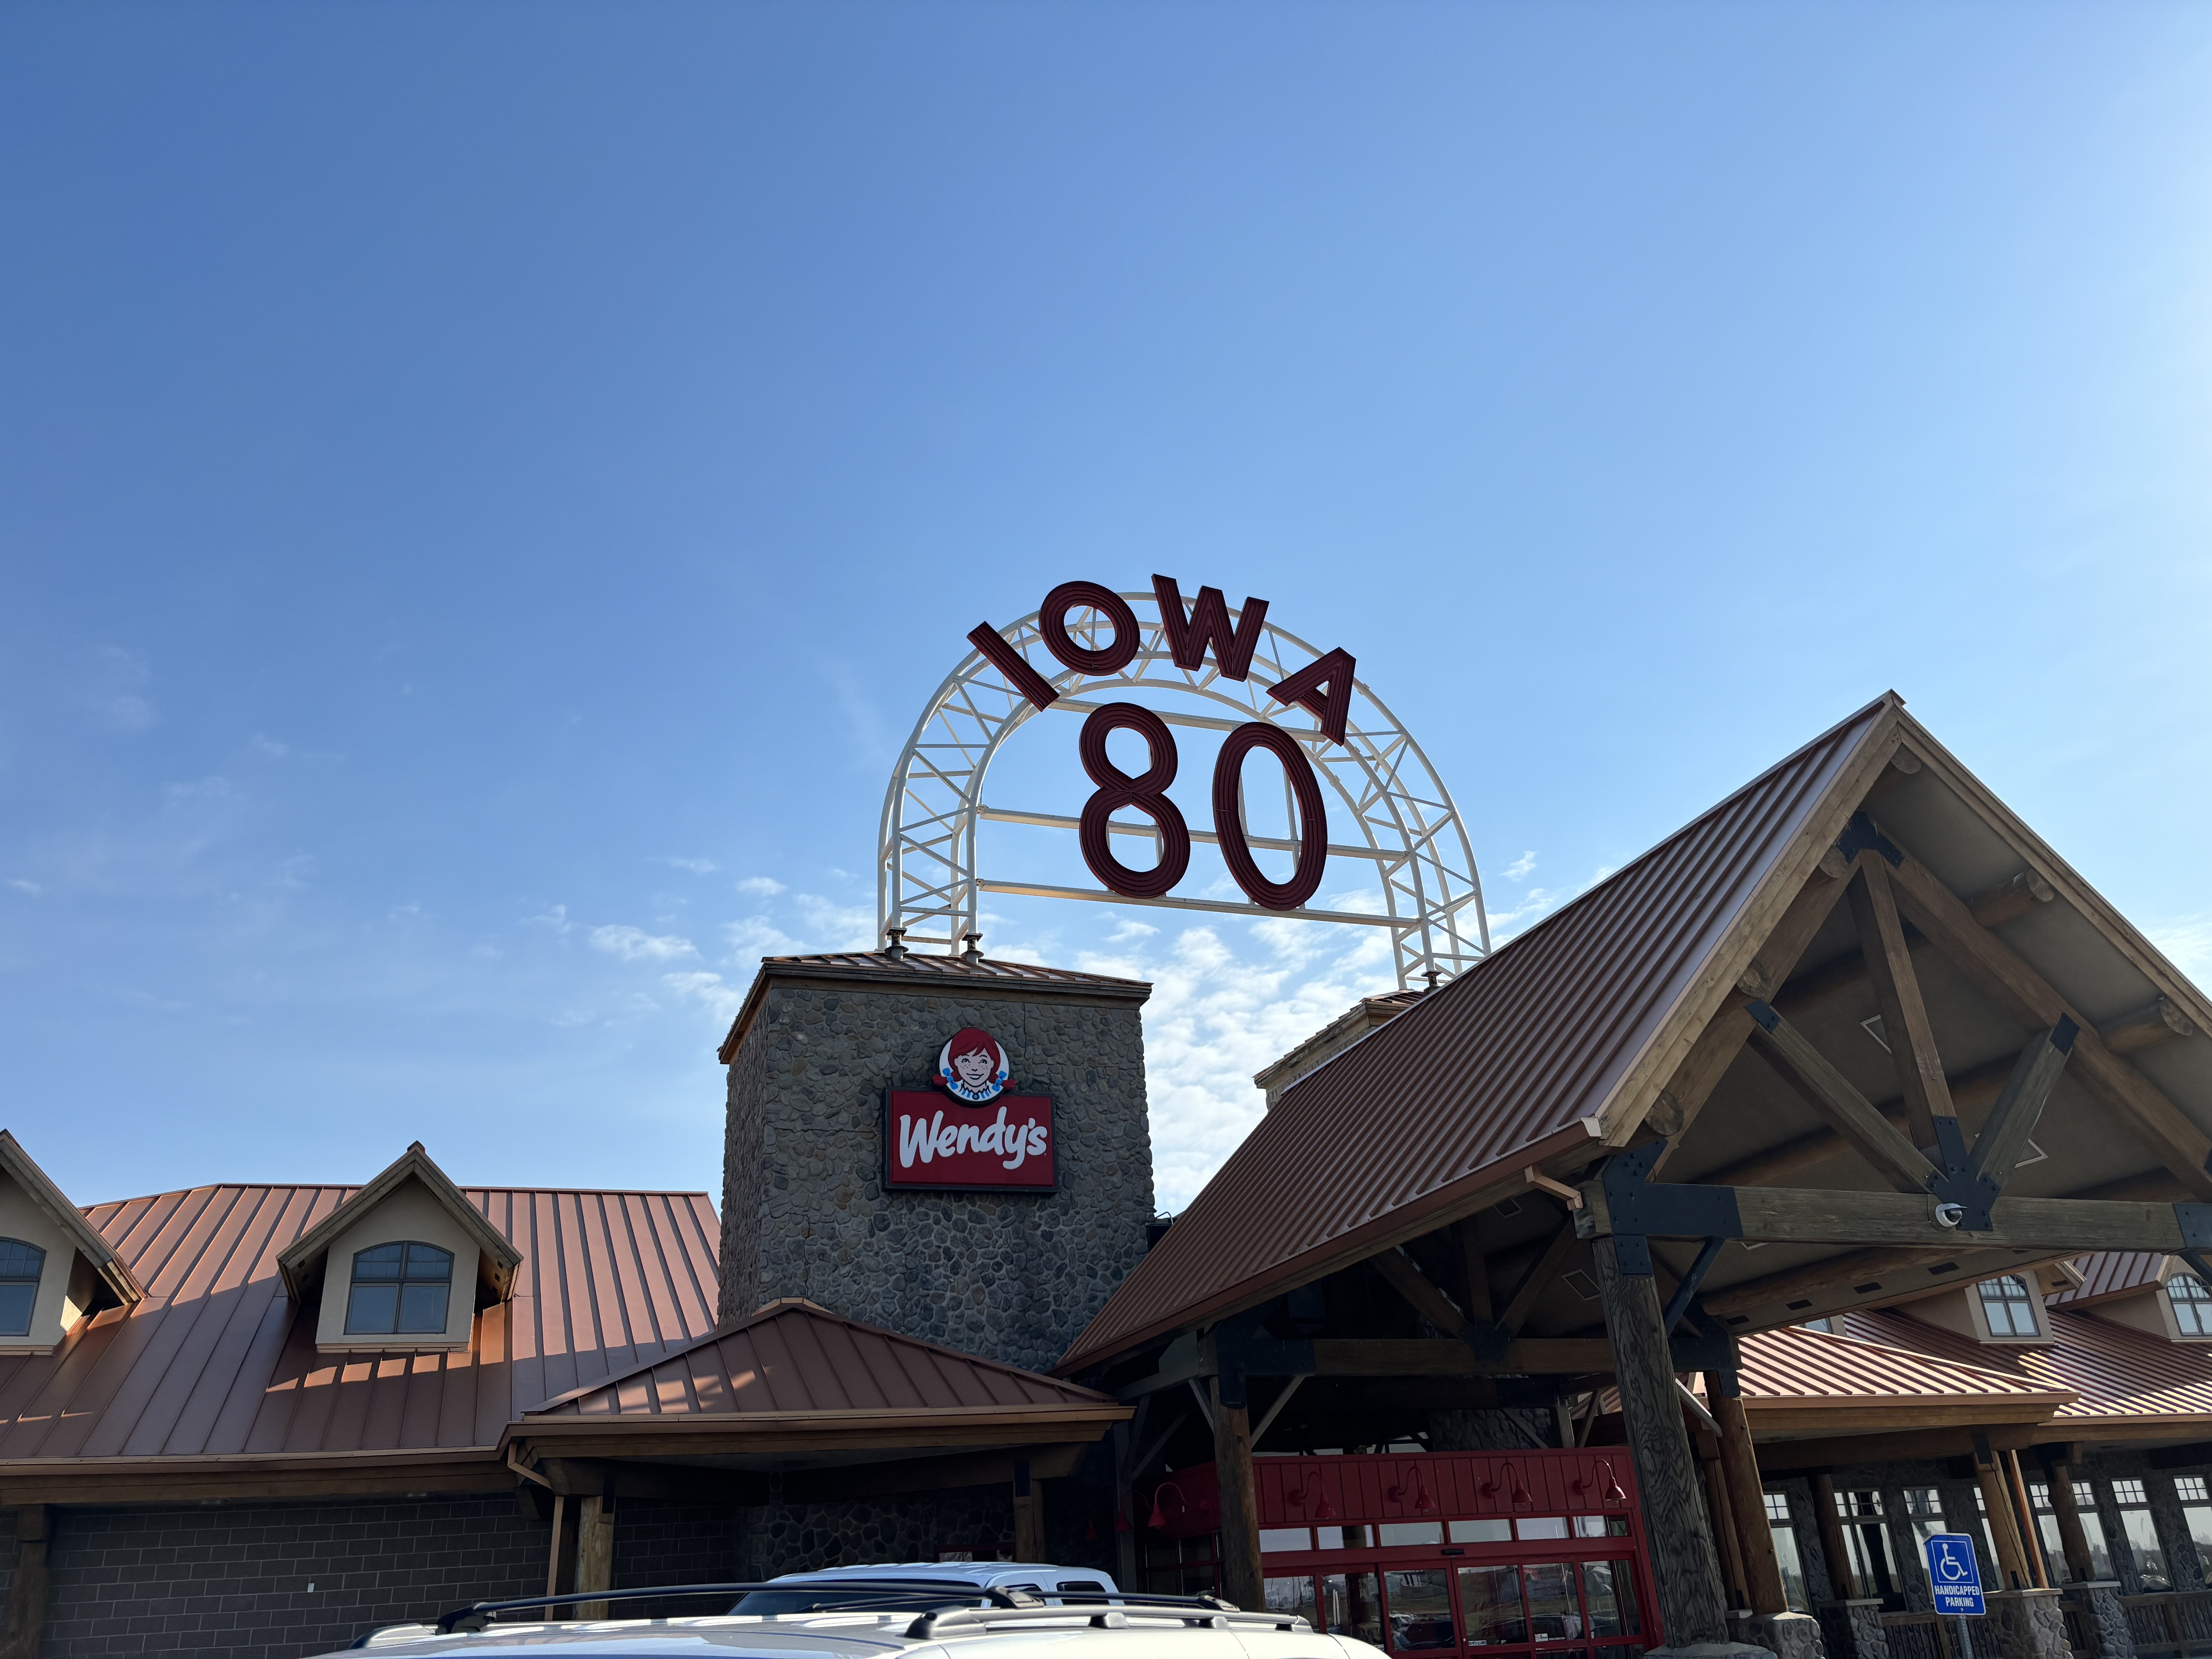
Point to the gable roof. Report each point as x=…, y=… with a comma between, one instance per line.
x=217, y=1367
x=1558, y=1038
x=1796, y=1369
x=302, y=1263
x=56, y=1208
x=795, y=1356
x=2109, y=1275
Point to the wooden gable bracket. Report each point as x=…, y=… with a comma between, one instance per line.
x=1487, y=1339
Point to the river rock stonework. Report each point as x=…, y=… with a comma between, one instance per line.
x=1011, y=1277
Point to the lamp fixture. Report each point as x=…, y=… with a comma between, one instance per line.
x=1517, y=1494
x=1613, y=1492
x=1423, y=1502
x=1323, y=1510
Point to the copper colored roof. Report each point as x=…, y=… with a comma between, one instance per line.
x=793, y=1356
x=952, y=974
x=2120, y=1375
x=1517, y=1056
x=1794, y=1366
x=2112, y=1273
x=217, y=1361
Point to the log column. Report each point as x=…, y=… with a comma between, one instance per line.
x=2071, y=1533
x=1831, y=1538
x=595, y=1553
x=27, y=1594
x=1240, y=1579
x=2004, y=1530
x=1747, y=1497
x=1684, y=1564
x=1029, y=1514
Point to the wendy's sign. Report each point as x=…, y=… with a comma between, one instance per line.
x=974, y=1136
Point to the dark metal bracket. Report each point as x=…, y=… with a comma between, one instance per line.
x=1861, y=836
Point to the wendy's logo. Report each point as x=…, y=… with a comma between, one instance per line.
x=972, y=1066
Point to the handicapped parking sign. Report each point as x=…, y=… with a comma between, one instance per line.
x=1952, y=1573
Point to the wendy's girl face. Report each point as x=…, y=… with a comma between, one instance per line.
x=975, y=1067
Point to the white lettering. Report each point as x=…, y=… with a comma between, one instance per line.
x=948, y=1137
x=1019, y=1145
x=967, y=1140
x=917, y=1136
x=994, y=1139
x=1036, y=1140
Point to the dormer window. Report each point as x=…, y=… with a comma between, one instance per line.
x=2192, y=1304
x=399, y=1290
x=2009, y=1307
x=20, y=1264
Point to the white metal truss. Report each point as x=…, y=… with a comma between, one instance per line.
x=1408, y=830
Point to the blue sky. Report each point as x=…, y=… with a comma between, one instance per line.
x=485, y=490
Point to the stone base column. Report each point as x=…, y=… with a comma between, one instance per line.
x=2027, y=1625
x=1853, y=1628
x=2109, y=1637
x=1712, y=1650
x=1788, y=1635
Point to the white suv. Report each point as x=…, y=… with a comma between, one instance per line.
x=919, y=1610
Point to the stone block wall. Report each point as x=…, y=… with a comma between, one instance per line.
x=1010, y=1276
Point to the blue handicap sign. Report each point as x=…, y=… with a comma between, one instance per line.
x=1952, y=1573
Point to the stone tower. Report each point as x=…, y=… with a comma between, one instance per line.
x=806, y=1210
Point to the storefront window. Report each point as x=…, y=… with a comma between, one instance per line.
x=1490, y=1603
x=1481, y=1532
x=2141, y=1535
x=1609, y=1593
x=1785, y=1553
x=2197, y=1515
x=1294, y=1596
x=1420, y=1610
x=1866, y=1540
x=1351, y=1608
x=1554, y=1613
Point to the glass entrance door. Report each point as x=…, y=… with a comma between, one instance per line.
x=1571, y=1609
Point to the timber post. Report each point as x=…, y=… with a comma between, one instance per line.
x=1685, y=1566
x=1125, y=1508
x=2071, y=1533
x=1746, y=1497
x=1831, y=1538
x=1240, y=1579
x=1029, y=1514
x=26, y=1593
x=2004, y=1530
x=595, y=1553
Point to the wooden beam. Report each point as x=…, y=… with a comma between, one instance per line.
x=2008, y=900
x=1859, y=1277
x=1424, y=1298
x=1029, y=1513
x=1443, y=1357
x=2004, y=1530
x=1722, y=1513
x=1829, y=1092
x=1740, y=1463
x=1684, y=1565
x=2071, y=1534
x=1787, y=1215
x=1832, y=1536
x=579, y=1477
x=913, y=1474
x=1904, y=1025
x=1474, y=1269
x=2007, y=978
x=1848, y=1450
x=1970, y=1092
x=2004, y=1137
x=595, y=1555
x=1538, y=1280
x=2158, y=1022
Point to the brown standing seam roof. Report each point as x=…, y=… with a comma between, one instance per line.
x=1796, y=1366
x=2110, y=1273
x=791, y=1355
x=2119, y=1373
x=218, y=1360
x=1518, y=1049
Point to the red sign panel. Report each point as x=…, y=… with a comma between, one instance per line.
x=934, y=1141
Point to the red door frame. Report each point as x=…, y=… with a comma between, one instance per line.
x=1581, y=1489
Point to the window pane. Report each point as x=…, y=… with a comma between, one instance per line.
x=1481, y=1532
x=1777, y=1505
x=1294, y=1596
x=1541, y=1526
x=422, y=1307
x=382, y=1263
x=2192, y=1304
x=1608, y=1591
x=19, y=1259
x=1400, y=1534
x=1284, y=1538
x=1420, y=1610
x=2199, y=1517
x=1793, y=1568
x=16, y=1303
x=372, y=1309
x=2142, y=1540
x=1351, y=1608
x=2008, y=1306
x=1590, y=1526
x=1490, y=1603
x=1553, y=1609
x=2189, y=1489
x=2130, y=1492
x=429, y=1262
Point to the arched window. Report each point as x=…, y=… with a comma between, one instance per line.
x=20, y=1266
x=2192, y=1304
x=2010, y=1306
x=399, y=1290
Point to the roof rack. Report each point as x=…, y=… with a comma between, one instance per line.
x=938, y=1602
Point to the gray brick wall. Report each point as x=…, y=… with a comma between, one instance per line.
x=1012, y=1278
x=234, y=1580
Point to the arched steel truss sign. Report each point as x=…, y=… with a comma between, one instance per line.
x=1332, y=736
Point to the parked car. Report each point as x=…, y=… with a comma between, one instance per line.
x=916, y=1610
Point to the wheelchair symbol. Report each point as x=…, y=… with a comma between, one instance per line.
x=1949, y=1568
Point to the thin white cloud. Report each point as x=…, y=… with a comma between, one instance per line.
x=268, y=746
x=761, y=886
x=757, y=936
x=23, y=884
x=2188, y=944
x=635, y=944
x=696, y=867
x=1519, y=869
x=711, y=989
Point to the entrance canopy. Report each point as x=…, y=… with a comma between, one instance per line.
x=1855, y=1034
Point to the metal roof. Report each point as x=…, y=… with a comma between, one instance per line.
x=2116, y=1373
x=795, y=1356
x=1517, y=1056
x=955, y=975
x=2110, y=1274
x=1794, y=1364
x=218, y=1360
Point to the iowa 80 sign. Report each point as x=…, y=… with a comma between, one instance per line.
x=1364, y=811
